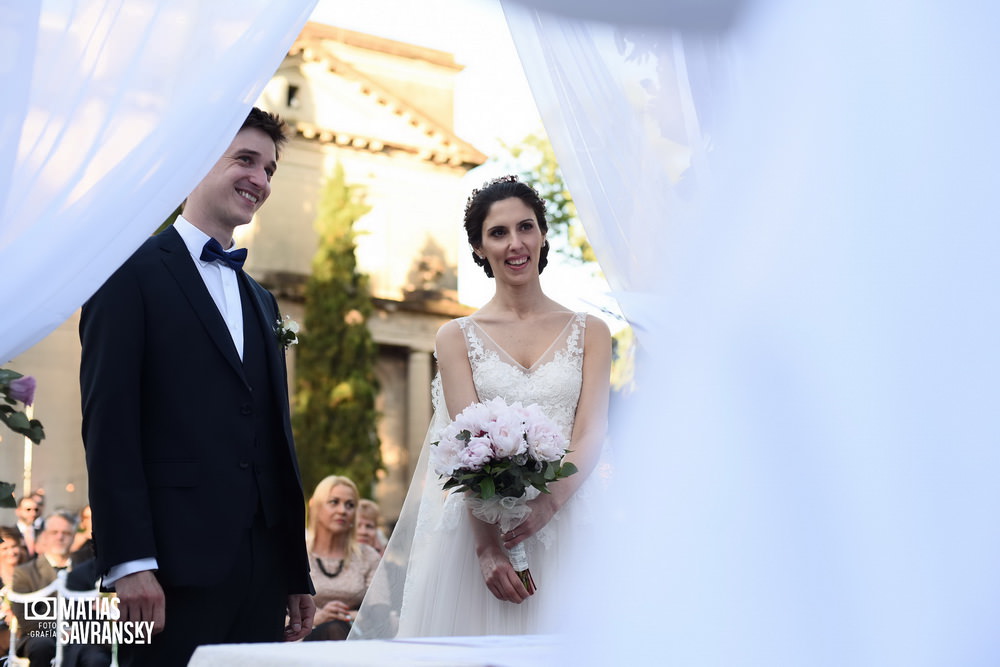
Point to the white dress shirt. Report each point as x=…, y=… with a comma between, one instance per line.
x=220, y=280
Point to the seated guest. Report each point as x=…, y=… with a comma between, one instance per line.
x=83, y=542
x=38, y=495
x=12, y=554
x=26, y=512
x=52, y=545
x=368, y=531
x=342, y=567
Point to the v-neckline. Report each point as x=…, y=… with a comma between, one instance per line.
x=545, y=353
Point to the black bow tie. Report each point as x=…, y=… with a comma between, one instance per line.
x=213, y=252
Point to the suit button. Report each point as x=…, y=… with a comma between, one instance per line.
x=246, y=409
x=244, y=465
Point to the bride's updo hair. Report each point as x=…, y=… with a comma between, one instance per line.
x=478, y=207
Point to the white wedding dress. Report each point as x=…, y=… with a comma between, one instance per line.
x=430, y=583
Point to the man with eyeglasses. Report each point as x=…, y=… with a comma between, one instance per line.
x=27, y=511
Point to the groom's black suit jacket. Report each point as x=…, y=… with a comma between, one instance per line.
x=182, y=454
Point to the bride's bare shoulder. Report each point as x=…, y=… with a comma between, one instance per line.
x=449, y=332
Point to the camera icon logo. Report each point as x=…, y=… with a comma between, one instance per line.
x=40, y=610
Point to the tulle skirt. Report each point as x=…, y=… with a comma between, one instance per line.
x=446, y=595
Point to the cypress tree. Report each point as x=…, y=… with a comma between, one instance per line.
x=335, y=383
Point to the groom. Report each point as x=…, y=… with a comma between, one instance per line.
x=198, y=513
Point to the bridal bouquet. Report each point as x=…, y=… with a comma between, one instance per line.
x=496, y=452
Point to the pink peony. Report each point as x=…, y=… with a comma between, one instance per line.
x=474, y=419
x=22, y=389
x=476, y=454
x=545, y=441
x=444, y=456
x=507, y=433
x=497, y=406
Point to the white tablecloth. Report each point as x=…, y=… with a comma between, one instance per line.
x=513, y=651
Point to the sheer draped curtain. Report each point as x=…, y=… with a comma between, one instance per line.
x=797, y=208
x=113, y=111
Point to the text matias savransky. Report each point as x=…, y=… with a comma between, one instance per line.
x=88, y=620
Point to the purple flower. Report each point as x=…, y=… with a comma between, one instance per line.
x=22, y=389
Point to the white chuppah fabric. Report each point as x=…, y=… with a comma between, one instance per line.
x=810, y=461
x=113, y=111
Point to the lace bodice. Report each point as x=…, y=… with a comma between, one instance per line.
x=553, y=382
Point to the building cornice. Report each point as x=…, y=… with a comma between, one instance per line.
x=448, y=148
x=317, y=31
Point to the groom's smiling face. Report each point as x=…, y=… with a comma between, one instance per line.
x=238, y=184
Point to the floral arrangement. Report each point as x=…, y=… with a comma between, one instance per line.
x=496, y=452
x=287, y=332
x=16, y=388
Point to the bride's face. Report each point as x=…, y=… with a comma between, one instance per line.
x=512, y=240
x=337, y=513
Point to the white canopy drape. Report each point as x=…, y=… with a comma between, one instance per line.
x=113, y=111
x=808, y=467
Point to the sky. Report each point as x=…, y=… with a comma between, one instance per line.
x=493, y=103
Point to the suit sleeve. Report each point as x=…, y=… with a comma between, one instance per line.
x=112, y=333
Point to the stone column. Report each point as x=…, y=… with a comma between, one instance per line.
x=418, y=403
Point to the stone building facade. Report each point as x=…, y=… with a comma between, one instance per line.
x=384, y=111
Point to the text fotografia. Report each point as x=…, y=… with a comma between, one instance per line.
x=85, y=620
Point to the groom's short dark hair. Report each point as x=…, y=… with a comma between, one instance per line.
x=268, y=123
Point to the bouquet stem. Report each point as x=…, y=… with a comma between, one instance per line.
x=518, y=557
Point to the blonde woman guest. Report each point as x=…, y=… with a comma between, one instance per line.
x=342, y=567
x=368, y=531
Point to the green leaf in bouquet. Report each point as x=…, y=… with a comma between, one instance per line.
x=486, y=488
x=567, y=469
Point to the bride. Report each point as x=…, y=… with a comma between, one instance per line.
x=445, y=572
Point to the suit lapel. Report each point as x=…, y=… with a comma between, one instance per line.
x=178, y=261
x=267, y=318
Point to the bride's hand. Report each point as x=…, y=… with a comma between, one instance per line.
x=499, y=575
x=543, y=508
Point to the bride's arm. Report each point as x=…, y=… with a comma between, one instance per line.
x=460, y=392
x=589, y=430
x=456, y=373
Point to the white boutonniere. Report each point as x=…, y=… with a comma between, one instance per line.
x=286, y=331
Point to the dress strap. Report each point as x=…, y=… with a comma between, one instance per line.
x=473, y=342
x=574, y=341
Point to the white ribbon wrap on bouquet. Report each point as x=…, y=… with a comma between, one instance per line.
x=506, y=512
